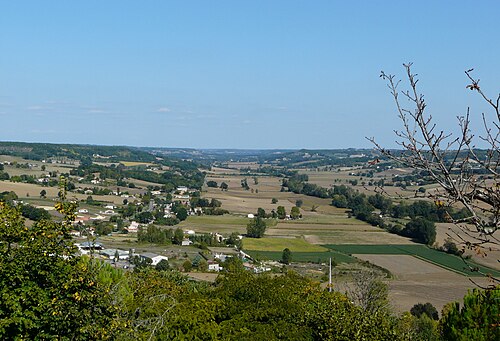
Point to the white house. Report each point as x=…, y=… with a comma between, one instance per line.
x=214, y=266
x=186, y=242
x=83, y=210
x=182, y=189
x=133, y=227
x=110, y=207
x=155, y=259
x=250, y=215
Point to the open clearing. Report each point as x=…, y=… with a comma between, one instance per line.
x=418, y=281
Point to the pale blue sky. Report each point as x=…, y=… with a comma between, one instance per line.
x=234, y=74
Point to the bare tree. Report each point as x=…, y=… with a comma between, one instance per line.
x=467, y=176
x=367, y=290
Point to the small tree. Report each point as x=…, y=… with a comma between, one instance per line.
x=286, y=256
x=299, y=202
x=162, y=265
x=212, y=184
x=281, y=212
x=187, y=265
x=224, y=186
x=261, y=212
x=256, y=228
x=43, y=193
x=274, y=201
x=181, y=213
x=178, y=236
x=295, y=213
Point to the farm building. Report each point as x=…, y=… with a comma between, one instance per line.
x=155, y=259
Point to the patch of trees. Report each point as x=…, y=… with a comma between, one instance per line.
x=155, y=234
x=8, y=196
x=428, y=309
x=212, y=184
x=421, y=230
x=34, y=213
x=206, y=239
x=171, y=179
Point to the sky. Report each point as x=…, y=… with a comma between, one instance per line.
x=236, y=74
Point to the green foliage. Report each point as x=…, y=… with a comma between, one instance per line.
x=286, y=256
x=181, y=213
x=295, y=213
x=46, y=291
x=162, y=265
x=256, y=228
x=420, y=328
x=8, y=197
x=428, y=309
x=281, y=212
x=178, y=236
x=274, y=201
x=261, y=212
x=477, y=319
x=155, y=234
x=33, y=213
x=212, y=183
x=103, y=229
x=224, y=186
x=421, y=230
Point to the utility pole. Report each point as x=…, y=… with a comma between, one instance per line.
x=330, y=277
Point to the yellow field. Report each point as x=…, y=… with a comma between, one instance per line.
x=133, y=163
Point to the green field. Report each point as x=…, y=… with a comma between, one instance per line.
x=278, y=244
x=306, y=257
x=444, y=260
x=217, y=220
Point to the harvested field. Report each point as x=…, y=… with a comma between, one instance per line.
x=419, y=282
x=221, y=224
x=445, y=230
x=336, y=233
x=278, y=244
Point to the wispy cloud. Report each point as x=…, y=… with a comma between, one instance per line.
x=163, y=109
x=35, y=107
x=98, y=111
